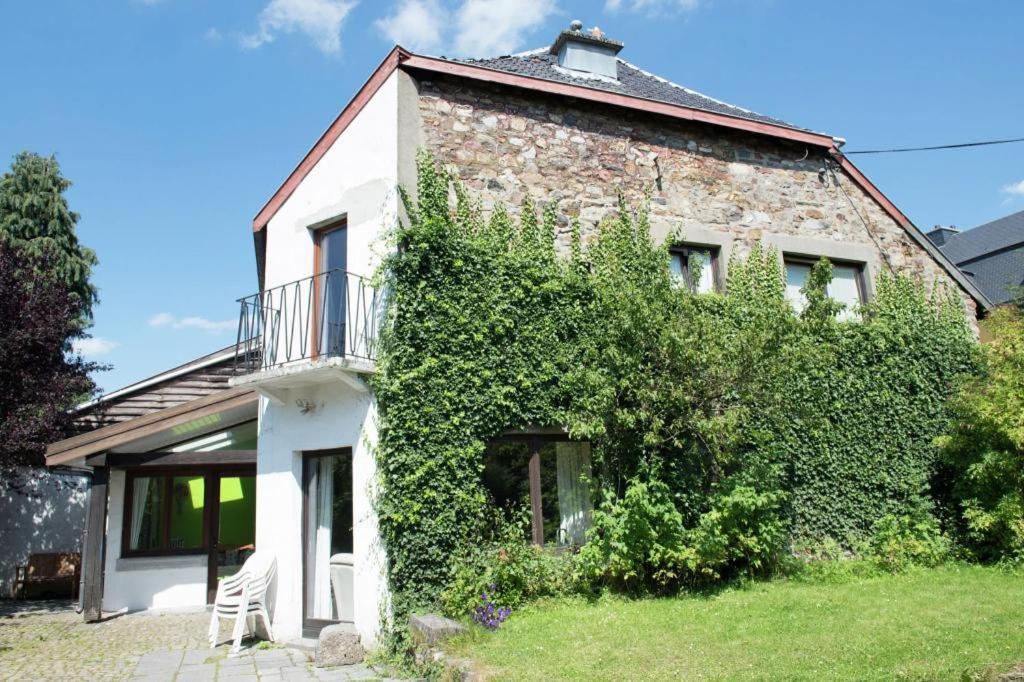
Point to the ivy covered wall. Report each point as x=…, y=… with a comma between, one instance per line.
x=491, y=330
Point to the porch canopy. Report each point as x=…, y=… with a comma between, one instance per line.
x=136, y=441
x=213, y=431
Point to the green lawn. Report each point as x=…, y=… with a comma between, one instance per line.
x=948, y=623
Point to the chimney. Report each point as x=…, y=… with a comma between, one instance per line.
x=940, y=234
x=587, y=53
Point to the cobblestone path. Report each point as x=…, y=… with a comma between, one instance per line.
x=49, y=641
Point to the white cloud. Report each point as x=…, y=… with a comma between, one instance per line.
x=161, y=320
x=94, y=346
x=650, y=6
x=213, y=35
x=1014, y=189
x=212, y=326
x=320, y=20
x=416, y=24
x=494, y=27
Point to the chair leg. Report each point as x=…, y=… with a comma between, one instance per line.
x=266, y=623
x=238, y=632
x=213, y=630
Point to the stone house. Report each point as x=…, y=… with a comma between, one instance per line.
x=570, y=123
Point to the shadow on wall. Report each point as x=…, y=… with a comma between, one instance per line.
x=40, y=511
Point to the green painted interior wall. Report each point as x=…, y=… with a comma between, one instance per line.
x=187, y=497
x=238, y=510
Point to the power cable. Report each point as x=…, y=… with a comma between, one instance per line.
x=941, y=146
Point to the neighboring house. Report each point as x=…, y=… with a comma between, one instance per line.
x=991, y=255
x=572, y=124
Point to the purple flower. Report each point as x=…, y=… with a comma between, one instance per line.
x=489, y=614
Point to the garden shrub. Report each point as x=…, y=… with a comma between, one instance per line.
x=506, y=571
x=984, y=451
x=636, y=541
x=904, y=540
x=745, y=530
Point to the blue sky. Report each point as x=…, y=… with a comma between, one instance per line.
x=177, y=119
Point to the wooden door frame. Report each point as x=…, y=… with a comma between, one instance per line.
x=319, y=231
x=311, y=627
x=213, y=521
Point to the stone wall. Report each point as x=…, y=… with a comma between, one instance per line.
x=506, y=144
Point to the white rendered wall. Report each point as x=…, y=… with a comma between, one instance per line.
x=340, y=417
x=41, y=510
x=356, y=178
x=146, y=582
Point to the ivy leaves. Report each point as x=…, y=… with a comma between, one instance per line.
x=748, y=415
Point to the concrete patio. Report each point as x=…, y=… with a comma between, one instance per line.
x=48, y=641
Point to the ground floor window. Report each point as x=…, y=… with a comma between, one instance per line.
x=190, y=512
x=166, y=513
x=549, y=476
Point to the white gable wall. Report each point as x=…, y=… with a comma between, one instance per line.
x=356, y=178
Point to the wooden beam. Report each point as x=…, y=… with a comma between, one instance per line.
x=535, y=499
x=94, y=546
x=163, y=459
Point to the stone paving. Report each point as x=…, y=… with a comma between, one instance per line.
x=49, y=641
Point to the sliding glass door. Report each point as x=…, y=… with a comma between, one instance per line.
x=327, y=539
x=234, y=526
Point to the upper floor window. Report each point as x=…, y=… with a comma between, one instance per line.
x=846, y=287
x=695, y=267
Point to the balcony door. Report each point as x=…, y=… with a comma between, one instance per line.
x=330, y=289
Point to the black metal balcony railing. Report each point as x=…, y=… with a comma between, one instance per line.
x=331, y=314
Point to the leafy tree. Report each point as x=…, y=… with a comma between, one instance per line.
x=40, y=377
x=985, y=448
x=37, y=223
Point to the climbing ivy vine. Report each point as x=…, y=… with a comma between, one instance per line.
x=720, y=397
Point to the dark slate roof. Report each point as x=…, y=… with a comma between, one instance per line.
x=992, y=255
x=631, y=81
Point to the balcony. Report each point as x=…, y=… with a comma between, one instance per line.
x=314, y=330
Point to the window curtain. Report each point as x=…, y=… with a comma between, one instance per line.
x=323, y=605
x=574, y=501
x=796, y=278
x=140, y=499
x=706, y=283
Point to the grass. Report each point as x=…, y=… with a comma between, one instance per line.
x=954, y=622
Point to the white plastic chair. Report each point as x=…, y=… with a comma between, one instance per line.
x=243, y=597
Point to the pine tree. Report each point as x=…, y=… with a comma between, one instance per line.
x=39, y=226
